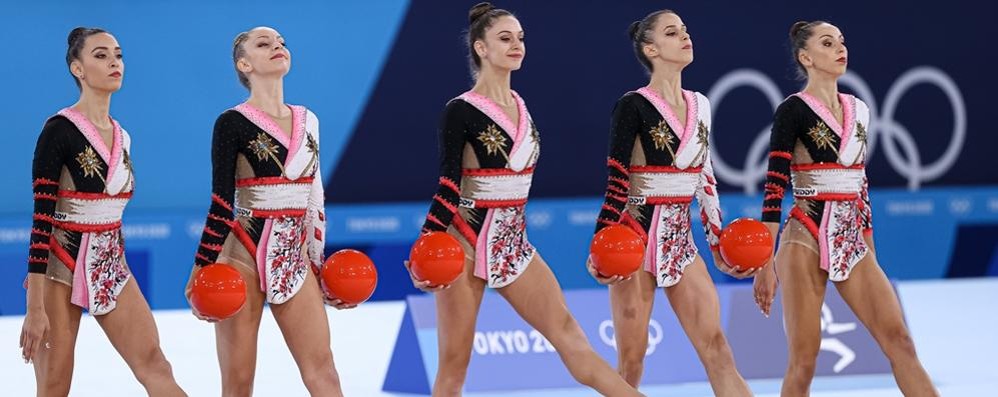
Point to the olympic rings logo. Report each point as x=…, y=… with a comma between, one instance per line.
x=655, y=335
x=882, y=126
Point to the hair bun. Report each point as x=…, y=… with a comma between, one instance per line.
x=632, y=31
x=479, y=10
x=75, y=34
x=797, y=27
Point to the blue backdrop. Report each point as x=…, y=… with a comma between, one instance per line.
x=377, y=73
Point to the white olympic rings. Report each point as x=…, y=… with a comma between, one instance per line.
x=897, y=138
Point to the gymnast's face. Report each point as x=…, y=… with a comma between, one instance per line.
x=825, y=51
x=502, y=47
x=100, y=66
x=670, y=42
x=265, y=55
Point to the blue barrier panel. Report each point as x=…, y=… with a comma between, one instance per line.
x=508, y=354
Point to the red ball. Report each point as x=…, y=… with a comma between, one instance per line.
x=218, y=291
x=746, y=243
x=350, y=276
x=617, y=251
x=438, y=258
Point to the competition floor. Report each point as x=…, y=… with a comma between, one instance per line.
x=953, y=323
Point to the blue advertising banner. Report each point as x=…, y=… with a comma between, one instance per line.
x=506, y=348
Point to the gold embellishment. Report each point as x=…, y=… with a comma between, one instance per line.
x=702, y=139
x=861, y=136
x=493, y=140
x=663, y=138
x=311, y=143
x=702, y=133
x=313, y=146
x=264, y=147
x=822, y=136
x=90, y=164
x=128, y=162
x=661, y=135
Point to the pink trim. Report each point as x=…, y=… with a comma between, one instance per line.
x=848, y=114
x=261, y=253
x=523, y=127
x=494, y=112
x=651, y=248
x=684, y=131
x=692, y=113
x=482, y=247
x=80, y=292
x=267, y=124
x=298, y=114
x=848, y=118
x=823, y=237
x=491, y=110
x=116, y=148
x=89, y=130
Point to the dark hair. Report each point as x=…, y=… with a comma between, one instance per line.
x=800, y=31
x=238, y=52
x=480, y=17
x=75, y=42
x=638, y=31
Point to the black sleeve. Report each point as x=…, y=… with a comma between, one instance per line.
x=225, y=145
x=781, y=146
x=50, y=156
x=624, y=127
x=451, y=143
